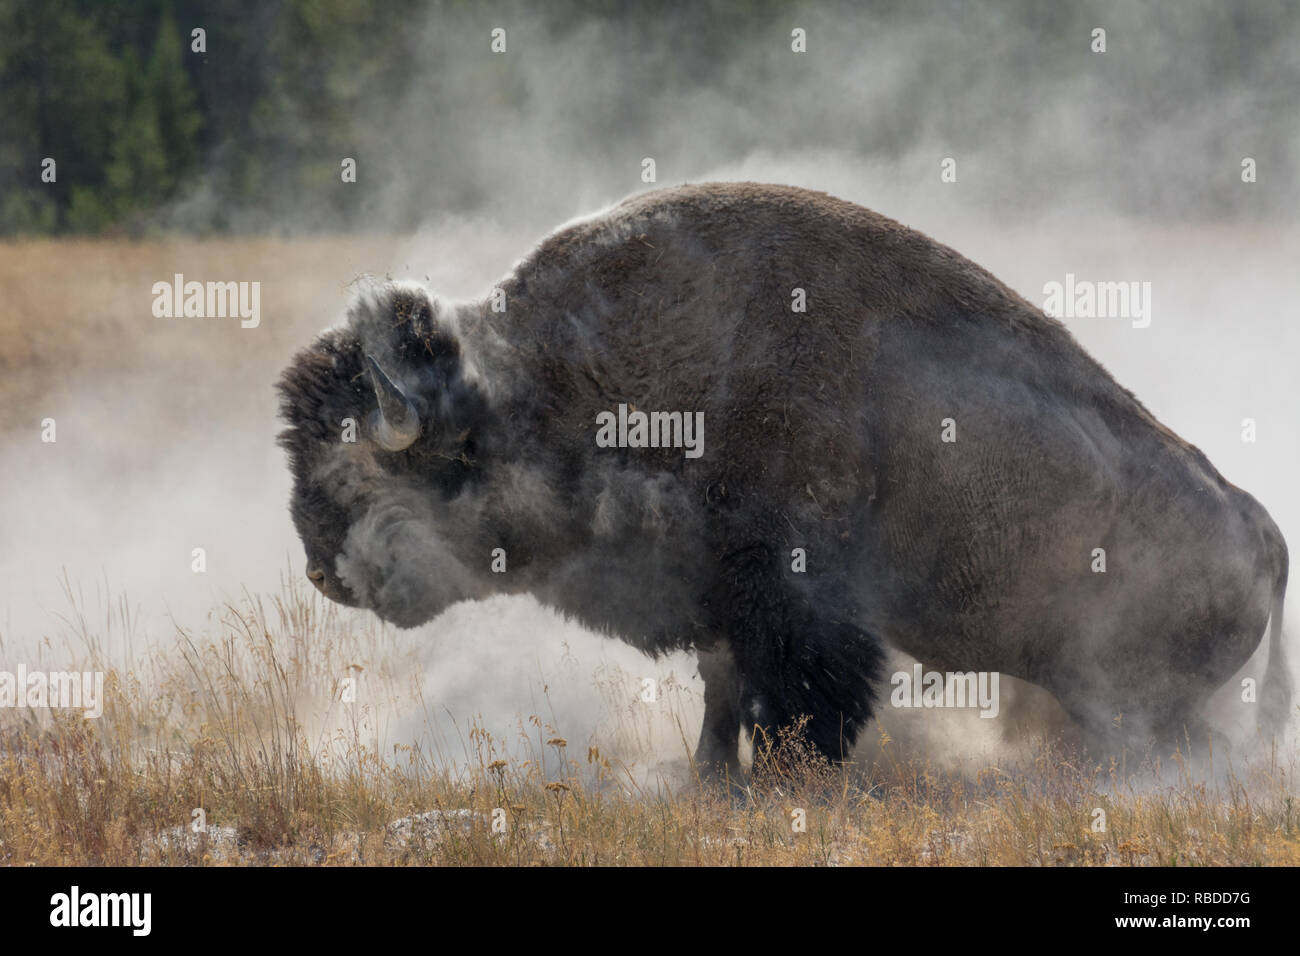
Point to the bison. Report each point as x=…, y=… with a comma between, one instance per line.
x=780, y=429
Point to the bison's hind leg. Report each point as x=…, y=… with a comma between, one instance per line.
x=1134, y=727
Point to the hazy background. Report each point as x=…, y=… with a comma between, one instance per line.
x=224, y=165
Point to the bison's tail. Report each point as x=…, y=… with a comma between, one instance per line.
x=1275, y=695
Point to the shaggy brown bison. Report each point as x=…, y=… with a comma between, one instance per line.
x=778, y=428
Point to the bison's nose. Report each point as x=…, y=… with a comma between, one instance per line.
x=317, y=577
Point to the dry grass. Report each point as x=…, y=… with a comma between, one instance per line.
x=221, y=721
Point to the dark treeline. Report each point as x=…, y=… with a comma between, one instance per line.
x=134, y=116
x=247, y=135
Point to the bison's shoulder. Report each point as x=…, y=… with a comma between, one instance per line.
x=735, y=238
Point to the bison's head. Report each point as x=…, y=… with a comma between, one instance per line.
x=381, y=438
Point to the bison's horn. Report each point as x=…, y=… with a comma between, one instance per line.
x=397, y=425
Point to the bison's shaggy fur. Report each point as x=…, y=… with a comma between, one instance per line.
x=823, y=432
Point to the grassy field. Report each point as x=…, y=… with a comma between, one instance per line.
x=235, y=708
x=213, y=723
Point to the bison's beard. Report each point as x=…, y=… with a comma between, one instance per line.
x=396, y=564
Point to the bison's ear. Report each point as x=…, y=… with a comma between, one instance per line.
x=396, y=423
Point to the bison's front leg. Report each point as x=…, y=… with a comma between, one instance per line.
x=800, y=656
x=717, y=753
